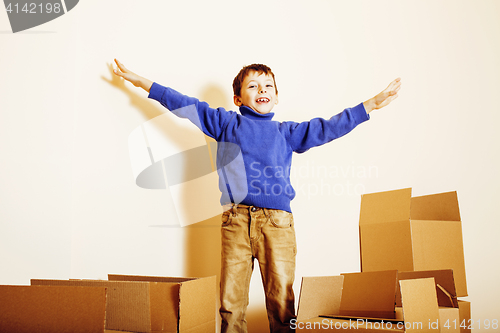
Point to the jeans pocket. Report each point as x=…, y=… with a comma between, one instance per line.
x=280, y=218
x=226, y=218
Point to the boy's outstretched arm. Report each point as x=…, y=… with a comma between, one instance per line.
x=133, y=78
x=384, y=98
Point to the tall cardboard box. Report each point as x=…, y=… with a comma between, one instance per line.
x=154, y=304
x=412, y=234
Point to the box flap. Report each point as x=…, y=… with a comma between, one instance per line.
x=437, y=207
x=319, y=296
x=197, y=304
x=164, y=299
x=127, y=307
x=47, y=309
x=386, y=246
x=420, y=306
x=369, y=294
x=445, y=285
x=119, y=277
x=439, y=245
x=387, y=206
x=164, y=303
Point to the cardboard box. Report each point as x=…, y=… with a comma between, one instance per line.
x=324, y=295
x=44, y=309
x=155, y=304
x=412, y=234
x=419, y=313
x=194, y=301
x=322, y=300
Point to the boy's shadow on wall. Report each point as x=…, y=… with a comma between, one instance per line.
x=202, y=240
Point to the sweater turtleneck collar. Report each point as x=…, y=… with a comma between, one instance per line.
x=249, y=113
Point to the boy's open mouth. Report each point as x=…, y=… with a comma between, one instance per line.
x=263, y=100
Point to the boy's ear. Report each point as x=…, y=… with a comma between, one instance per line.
x=276, y=103
x=237, y=100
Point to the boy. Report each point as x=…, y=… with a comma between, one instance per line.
x=253, y=160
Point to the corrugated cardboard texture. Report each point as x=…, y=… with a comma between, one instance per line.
x=45, y=309
x=164, y=300
x=437, y=207
x=193, y=300
x=369, y=294
x=439, y=245
x=386, y=246
x=420, y=305
x=387, y=206
x=464, y=310
x=127, y=308
x=442, y=277
x=319, y=296
x=197, y=305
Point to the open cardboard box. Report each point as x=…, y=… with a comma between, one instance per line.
x=154, y=304
x=48, y=309
x=412, y=234
x=446, y=296
x=352, y=302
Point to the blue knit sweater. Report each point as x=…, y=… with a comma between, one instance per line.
x=254, y=153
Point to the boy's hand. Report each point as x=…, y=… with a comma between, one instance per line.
x=133, y=78
x=384, y=98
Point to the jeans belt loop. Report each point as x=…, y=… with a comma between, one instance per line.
x=234, y=209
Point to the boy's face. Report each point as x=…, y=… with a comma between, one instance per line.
x=258, y=93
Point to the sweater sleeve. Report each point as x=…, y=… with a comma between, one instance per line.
x=210, y=121
x=318, y=131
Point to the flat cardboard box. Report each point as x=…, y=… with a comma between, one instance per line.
x=47, y=309
x=370, y=294
x=155, y=304
x=419, y=307
x=412, y=234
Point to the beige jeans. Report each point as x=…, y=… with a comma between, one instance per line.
x=267, y=235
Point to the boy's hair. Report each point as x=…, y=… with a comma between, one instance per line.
x=259, y=68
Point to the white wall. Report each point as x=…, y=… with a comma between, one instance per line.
x=69, y=206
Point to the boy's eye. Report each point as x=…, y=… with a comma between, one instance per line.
x=269, y=86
